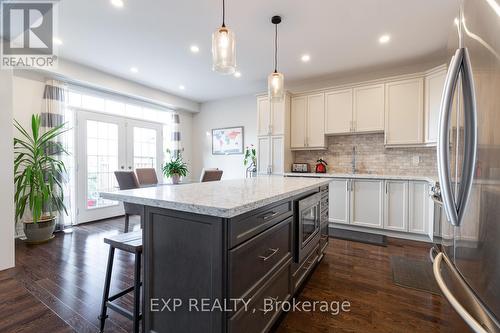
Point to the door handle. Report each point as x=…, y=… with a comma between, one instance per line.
x=460, y=64
x=130, y=168
x=466, y=316
x=443, y=144
x=122, y=167
x=470, y=135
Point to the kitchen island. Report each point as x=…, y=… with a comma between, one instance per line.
x=216, y=254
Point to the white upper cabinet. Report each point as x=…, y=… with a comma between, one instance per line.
x=271, y=117
x=369, y=108
x=434, y=85
x=263, y=116
x=298, y=122
x=307, y=121
x=404, y=112
x=338, y=112
x=315, y=121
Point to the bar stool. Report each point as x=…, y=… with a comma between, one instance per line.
x=132, y=243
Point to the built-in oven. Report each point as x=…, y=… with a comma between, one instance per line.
x=307, y=226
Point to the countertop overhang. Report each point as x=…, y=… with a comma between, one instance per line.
x=225, y=198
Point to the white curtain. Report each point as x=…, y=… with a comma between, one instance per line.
x=54, y=113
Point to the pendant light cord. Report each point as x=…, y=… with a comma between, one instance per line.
x=276, y=49
x=223, y=13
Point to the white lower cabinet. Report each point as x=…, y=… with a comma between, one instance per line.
x=339, y=199
x=396, y=205
x=418, y=221
x=367, y=203
x=263, y=154
x=271, y=155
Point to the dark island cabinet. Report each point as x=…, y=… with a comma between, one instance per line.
x=211, y=274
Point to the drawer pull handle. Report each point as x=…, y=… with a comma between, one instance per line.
x=270, y=216
x=308, y=264
x=273, y=252
x=275, y=300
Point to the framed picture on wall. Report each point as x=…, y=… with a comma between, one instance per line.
x=227, y=141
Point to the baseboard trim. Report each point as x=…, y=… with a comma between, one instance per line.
x=389, y=233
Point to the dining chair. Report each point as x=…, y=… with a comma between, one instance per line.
x=146, y=176
x=127, y=181
x=210, y=175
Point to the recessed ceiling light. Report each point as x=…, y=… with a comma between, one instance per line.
x=134, y=69
x=194, y=49
x=384, y=39
x=305, y=58
x=57, y=41
x=181, y=87
x=117, y=3
x=237, y=74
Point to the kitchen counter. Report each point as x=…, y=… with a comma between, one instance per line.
x=225, y=241
x=226, y=198
x=429, y=179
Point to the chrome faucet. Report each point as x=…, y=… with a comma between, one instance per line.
x=353, y=161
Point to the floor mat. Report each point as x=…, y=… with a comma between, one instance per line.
x=358, y=236
x=414, y=274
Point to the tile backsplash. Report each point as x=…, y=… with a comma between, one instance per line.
x=371, y=156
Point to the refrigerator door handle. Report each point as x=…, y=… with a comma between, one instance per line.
x=470, y=136
x=488, y=324
x=443, y=144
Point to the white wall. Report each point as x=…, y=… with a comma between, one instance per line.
x=6, y=176
x=238, y=111
x=91, y=77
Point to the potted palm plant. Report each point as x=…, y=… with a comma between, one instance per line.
x=175, y=168
x=38, y=177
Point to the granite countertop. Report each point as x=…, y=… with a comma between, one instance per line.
x=362, y=176
x=226, y=198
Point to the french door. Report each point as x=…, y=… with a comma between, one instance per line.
x=105, y=144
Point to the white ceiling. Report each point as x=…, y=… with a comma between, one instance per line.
x=155, y=36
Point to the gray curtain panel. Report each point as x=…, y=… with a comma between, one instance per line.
x=175, y=137
x=54, y=113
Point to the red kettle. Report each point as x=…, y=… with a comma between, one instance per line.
x=321, y=166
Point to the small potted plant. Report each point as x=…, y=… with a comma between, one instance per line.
x=38, y=179
x=250, y=160
x=175, y=169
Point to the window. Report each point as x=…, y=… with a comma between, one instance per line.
x=117, y=106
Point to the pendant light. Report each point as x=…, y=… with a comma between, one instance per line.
x=275, y=81
x=223, y=51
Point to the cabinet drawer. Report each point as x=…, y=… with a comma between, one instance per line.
x=304, y=269
x=246, y=226
x=277, y=288
x=251, y=262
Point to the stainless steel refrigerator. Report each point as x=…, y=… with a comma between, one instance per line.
x=467, y=267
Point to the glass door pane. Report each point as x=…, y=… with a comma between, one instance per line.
x=145, y=141
x=102, y=161
x=144, y=145
x=101, y=147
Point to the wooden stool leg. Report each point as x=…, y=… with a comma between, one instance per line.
x=137, y=292
x=126, y=222
x=107, y=284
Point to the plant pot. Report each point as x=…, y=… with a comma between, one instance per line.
x=176, y=179
x=40, y=232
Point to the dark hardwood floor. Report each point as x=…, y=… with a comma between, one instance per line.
x=56, y=287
